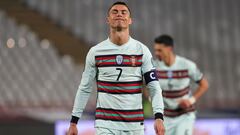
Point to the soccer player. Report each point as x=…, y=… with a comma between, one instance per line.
x=118, y=65
x=175, y=73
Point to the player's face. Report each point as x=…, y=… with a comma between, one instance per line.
x=119, y=17
x=161, y=51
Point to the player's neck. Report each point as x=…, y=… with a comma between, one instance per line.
x=170, y=60
x=119, y=37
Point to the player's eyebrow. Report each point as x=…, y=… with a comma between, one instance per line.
x=125, y=11
x=115, y=10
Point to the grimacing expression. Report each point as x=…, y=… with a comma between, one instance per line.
x=119, y=17
x=162, y=51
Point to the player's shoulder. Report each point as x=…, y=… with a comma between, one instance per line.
x=98, y=46
x=186, y=61
x=156, y=62
x=140, y=44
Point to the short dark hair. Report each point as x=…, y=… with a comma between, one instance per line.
x=119, y=3
x=164, y=39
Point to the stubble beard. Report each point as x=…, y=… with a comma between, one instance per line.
x=119, y=28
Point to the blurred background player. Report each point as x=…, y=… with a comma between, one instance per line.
x=119, y=63
x=175, y=74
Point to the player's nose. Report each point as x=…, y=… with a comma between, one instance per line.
x=119, y=14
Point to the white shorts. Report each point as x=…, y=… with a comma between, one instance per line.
x=106, y=131
x=181, y=125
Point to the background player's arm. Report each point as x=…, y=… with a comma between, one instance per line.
x=201, y=89
x=202, y=82
x=155, y=91
x=83, y=92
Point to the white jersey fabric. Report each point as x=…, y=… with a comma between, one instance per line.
x=175, y=83
x=118, y=71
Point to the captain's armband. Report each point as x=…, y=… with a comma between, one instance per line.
x=150, y=76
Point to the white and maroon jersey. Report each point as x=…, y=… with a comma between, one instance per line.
x=175, y=83
x=119, y=71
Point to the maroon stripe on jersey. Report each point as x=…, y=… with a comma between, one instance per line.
x=126, y=60
x=120, y=87
x=176, y=74
x=104, y=57
x=122, y=65
x=178, y=112
x=113, y=118
x=135, y=91
x=115, y=111
x=114, y=56
x=175, y=93
x=120, y=84
x=120, y=115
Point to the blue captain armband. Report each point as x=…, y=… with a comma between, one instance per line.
x=150, y=76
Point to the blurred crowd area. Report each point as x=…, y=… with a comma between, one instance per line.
x=38, y=81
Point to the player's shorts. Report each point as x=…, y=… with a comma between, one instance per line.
x=181, y=125
x=106, y=131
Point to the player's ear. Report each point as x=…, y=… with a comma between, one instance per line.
x=107, y=19
x=130, y=21
x=170, y=49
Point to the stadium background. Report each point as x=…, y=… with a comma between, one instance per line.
x=43, y=44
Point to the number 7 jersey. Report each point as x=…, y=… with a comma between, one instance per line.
x=119, y=71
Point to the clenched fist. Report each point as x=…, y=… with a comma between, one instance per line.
x=159, y=127
x=72, y=129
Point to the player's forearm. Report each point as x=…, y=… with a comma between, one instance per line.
x=83, y=93
x=80, y=102
x=202, y=88
x=85, y=86
x=156, y=98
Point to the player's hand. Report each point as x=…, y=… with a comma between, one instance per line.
x=72, y=129
x=184, y=103
x=159, y=127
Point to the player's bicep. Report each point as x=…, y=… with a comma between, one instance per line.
x=90, y=71
x=195, y=73
x=148, y=69
x=90, y=61
x=147, y=64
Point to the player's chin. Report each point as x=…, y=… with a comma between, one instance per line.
x=120, y=27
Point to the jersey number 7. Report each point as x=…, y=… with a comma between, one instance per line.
x=120, y=73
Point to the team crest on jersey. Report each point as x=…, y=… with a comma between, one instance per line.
x=133, y=60
x=119, y=59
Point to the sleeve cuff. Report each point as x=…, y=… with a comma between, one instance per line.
x=158, y=116
x=198, y=81
x=74, y=119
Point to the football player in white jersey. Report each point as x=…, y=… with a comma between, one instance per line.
x=175, y=73
x=118, y=65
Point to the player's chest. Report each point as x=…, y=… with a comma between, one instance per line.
x=119, y=60
x=166, y=73
x=173, y=78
